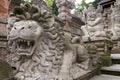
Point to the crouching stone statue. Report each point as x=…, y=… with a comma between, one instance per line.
x=94, y=28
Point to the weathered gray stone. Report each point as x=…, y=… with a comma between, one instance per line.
x=115, y=20
x=105, y=77
x=39, y=48
x=64, y=7
x=94, y=28
x=114, y=67
x=115, y=56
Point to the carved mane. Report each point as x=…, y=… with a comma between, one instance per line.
x=48, y=55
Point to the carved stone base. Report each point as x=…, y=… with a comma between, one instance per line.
x=81, y=74
x=88, y=39
x=102, y=45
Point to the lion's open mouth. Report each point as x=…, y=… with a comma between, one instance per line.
x=24, y=47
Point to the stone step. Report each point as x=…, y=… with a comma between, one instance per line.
x=105, y=77
x=115, y=61
x=115, y=56
x=112, y=70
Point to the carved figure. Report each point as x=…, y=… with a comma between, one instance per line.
x=94, y=28
x=64, y=7
x=115, y=20
x=40, y=51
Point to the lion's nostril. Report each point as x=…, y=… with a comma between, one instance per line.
x=14, y=27
x=22, y=28
x=29, y=27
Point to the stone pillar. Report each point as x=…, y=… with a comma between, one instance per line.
x=4, y=7
x=115, y=30
x=64, y=7
x=4, y=10
x=115, y=20
x=94, y=33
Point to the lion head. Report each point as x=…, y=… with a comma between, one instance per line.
x=25, y=35
x=35, y=39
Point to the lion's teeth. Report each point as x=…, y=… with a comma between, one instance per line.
x=18, y=40
x=21, y=40
x=28, y=42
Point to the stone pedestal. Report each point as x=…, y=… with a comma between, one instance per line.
x=103, y=51
x=102, y=45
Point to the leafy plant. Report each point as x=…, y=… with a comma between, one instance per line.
x=27, y=0
x=80, y=7
x=49, y=2
x=52, y=4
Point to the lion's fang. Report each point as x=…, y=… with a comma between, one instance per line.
x=21, y=40
x=28, y=43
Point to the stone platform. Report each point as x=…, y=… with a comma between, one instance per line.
x=105, y=77
x=115, y=56
x=114, y=67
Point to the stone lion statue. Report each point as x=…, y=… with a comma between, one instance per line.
x=38, y=46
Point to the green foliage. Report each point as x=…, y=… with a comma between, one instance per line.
x=106, y=59
x=54, y=8
x=80, y=7
x=49, y=2
x=27, y=0
x=52, y=4
x=95, y=3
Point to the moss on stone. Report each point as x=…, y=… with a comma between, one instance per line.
x=106, y=60
x=5, y=71
x=92, y=49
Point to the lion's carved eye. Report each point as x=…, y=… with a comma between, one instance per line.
x=14, y=27
x=30, y=27
x=22, y=28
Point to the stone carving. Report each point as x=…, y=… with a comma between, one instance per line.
x=115, y=20
x=94, y=28
x=40, y=51
x=64, y=7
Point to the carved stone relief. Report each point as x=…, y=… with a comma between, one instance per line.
x=39, y=49
x=94, y=28
x=115, y=20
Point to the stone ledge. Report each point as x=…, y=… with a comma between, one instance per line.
x=114, y=67
x=105, y=77
x=115, y=56
x=88, y=75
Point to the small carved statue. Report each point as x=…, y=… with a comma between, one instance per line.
x=94, y=28
x=64, y=7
